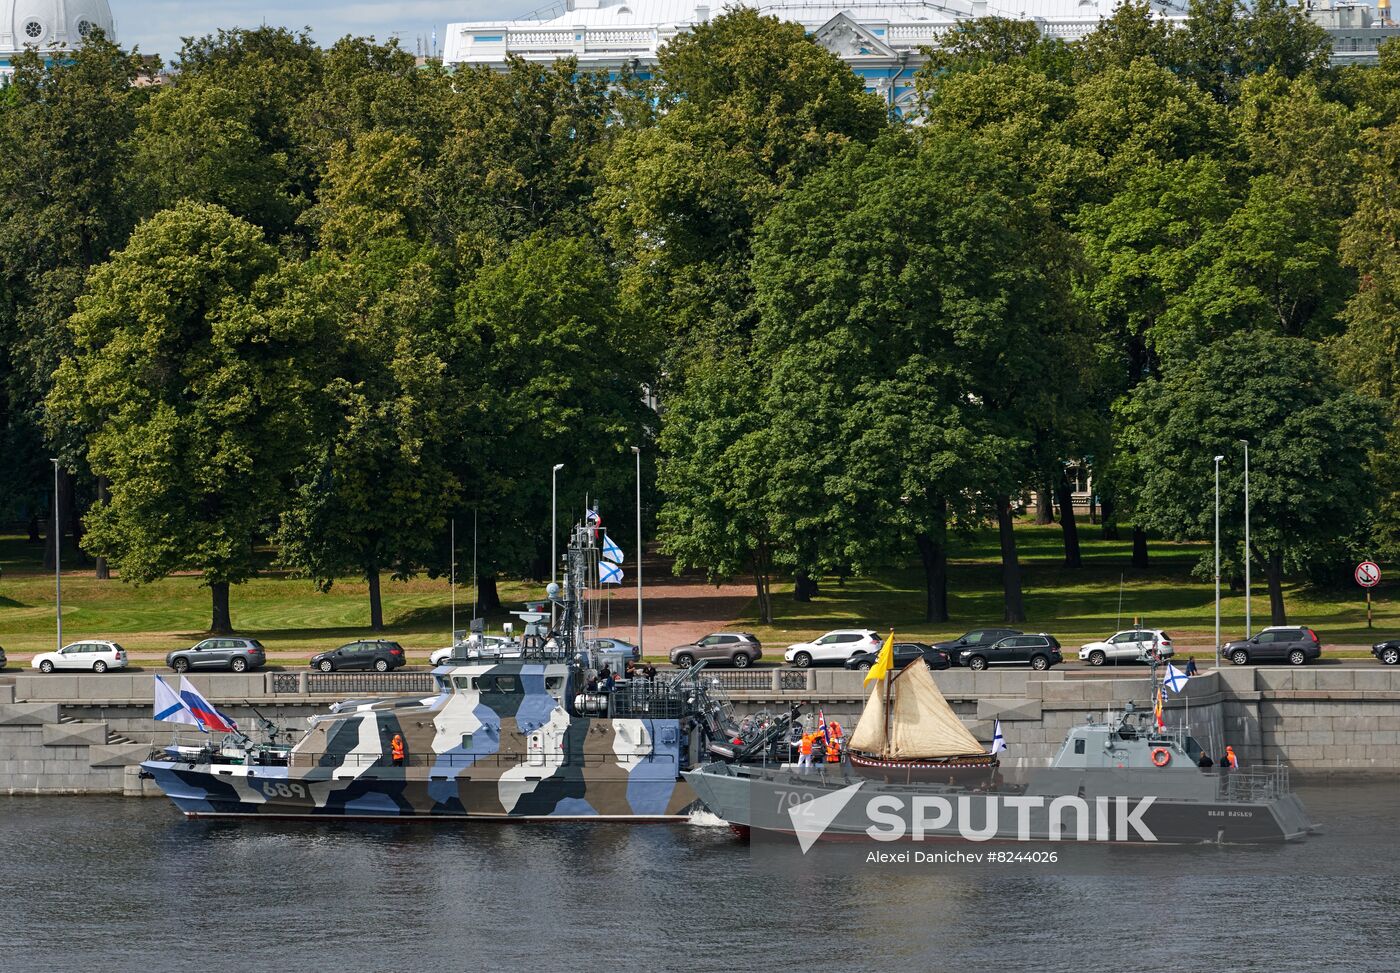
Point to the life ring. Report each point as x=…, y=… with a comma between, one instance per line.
x=1161, y=756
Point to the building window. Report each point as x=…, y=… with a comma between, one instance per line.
x=33, y=29
x=84, y=28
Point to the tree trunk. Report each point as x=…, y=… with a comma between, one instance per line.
x=1093, y=508
x=1010, y=565
x=376, y=603
x=101, y=571
x=221, y=623
x=804, y=589
x=488, y=599
x=1044, y=512
x=1110, y=523
x=933, y=551
x=760, y=582
x=1273, y=567
x=1139, y=547
x=1070, y=529
x=35, y=535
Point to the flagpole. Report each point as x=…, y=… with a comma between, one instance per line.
x=889, y=668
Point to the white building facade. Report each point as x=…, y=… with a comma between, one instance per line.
x=881, y=41
x=49, y=26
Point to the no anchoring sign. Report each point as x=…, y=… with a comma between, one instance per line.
x=1368, y=574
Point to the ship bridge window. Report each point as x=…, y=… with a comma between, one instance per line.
x=1079, y=745
x=464, y=682
x=496, y=684
x=553, y=685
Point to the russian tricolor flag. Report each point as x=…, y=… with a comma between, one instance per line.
x=209, y=718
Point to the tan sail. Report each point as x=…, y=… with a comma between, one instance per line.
x=869, y=735
x=923, y=725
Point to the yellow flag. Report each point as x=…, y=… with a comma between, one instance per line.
x=884, y=662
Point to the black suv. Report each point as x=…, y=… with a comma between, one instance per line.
x=237, y=655
x=973, y=639
x=379, y=656
x=1294, y=644
x=2, y=657
x=1039, y=651
x=1387, y=651
x=904, y=653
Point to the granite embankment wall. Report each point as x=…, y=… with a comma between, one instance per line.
x=67, y=734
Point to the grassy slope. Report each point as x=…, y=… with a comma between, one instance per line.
x=293, y=619
x=1073, y=605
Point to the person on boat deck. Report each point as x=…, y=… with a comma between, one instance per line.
x=1205, y=760
x=592, y=684
x=606, y=682
x=1230, y=760
x=805, y=761
x=396, y=749
x=649, y=671
x=631, y=670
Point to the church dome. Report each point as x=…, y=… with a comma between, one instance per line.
x=51, y=24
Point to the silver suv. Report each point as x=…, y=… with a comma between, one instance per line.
x=236, y=655
x=739, y=649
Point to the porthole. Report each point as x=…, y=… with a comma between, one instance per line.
x=33, y=29
x=84, y=28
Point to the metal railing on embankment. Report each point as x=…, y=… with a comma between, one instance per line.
x=350, y=683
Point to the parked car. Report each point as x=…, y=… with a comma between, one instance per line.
x=833, y=648
x=1387, y=651
x=1294, y=644
x=237, y=655
x=88, y=656
x=614, y=647
x=974, y=638
x=2, y=657
x=904, y=653
x=1038, y=651
x=1131, y=645
x=491, y=644
x=739, y=649
x=379, y=656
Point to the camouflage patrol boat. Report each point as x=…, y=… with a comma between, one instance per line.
x=518, y=737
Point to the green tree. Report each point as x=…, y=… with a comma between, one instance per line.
x=377, y=486
x=909, y=298
x=1311, y=486
x=560, y=374
x=189, y=378
x=1224, y=41
x=64, y=131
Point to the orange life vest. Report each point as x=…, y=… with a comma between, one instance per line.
x=396, y=747
x=806, y=744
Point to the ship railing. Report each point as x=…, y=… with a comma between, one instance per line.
x=526, y=760
x=1256, y=784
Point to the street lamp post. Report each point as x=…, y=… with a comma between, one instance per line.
x=554, y=535
x=57, y=557
x=1217, y=560
x=637, y=452
x=1248, y=602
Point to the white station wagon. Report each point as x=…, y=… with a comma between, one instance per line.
x=86, y=656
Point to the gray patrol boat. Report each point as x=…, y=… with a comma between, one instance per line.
x=1122, y=779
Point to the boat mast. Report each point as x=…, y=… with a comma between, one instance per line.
x=889, y=672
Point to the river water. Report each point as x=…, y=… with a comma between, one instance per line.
x=112, y=884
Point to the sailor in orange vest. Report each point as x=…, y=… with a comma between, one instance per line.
x=396, y=749
x=806, y=759
x=1230, y=760
x=833, y=750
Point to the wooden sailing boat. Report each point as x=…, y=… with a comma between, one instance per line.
x=909, y=728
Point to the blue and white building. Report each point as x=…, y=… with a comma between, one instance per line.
x=49, y=26
x=879, y=39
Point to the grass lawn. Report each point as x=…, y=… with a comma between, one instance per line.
x=293, y=619
x=1075, y=606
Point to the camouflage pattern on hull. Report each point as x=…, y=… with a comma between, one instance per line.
x=500, y=741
